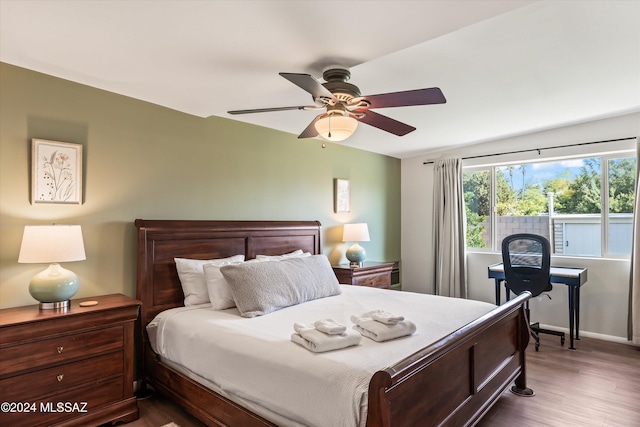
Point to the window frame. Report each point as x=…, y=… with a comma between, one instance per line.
x=604, y=197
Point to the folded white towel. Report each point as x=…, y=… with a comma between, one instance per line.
x=318, y=342
x=379, y=331
x=329, y=326
x=384, y=317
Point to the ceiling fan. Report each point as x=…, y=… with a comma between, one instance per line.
x=345, y=106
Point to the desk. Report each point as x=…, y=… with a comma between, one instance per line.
x=574, y=278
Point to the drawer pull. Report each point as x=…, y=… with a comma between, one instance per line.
x=60, y=377
x=60, y=348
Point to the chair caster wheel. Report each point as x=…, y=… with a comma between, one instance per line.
x=537, y=346
x=562, y=341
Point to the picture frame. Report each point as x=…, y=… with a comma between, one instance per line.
x=341, y=195
x=56, y=172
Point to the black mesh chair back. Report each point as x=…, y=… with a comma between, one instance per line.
x=527, y=267
x=527, y=263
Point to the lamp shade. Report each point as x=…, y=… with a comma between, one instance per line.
x=335, y=127
x=54, y=286
x=355, y=233
x=51, y=243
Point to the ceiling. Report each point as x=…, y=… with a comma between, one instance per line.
x=505, y=67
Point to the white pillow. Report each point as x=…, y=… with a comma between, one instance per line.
x=218, y=287
x=294, y=254
x=192, y=279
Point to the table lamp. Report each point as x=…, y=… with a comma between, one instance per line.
x=355, y=233
x=54, y=286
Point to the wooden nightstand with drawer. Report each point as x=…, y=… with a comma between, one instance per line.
x=373, y=274
x=72, y=367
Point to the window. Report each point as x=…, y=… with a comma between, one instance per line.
x=563, y=200
x=621, y=180
x=477, y=197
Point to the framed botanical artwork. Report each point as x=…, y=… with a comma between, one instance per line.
x=342, y=195
x=56, y=172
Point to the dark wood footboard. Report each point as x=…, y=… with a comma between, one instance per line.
x=457, y=379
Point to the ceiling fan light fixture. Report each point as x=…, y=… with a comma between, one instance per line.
x=335, y=127
x=346, y=106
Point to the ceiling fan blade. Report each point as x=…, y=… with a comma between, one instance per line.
x=268, y=110
x=310, y=131
x=310, y=84
x=407, y=98
x=385, y=123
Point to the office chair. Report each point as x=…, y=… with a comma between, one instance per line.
x=527, y=267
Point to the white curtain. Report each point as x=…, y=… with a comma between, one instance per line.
x=634, y=279
x=449, y=229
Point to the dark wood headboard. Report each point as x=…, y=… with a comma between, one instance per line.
x=160, y=241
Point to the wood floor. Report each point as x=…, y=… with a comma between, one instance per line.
x=596, y=386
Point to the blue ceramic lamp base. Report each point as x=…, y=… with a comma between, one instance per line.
x=54, y=287
x=356, y=255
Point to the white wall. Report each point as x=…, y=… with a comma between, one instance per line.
x=604, y=301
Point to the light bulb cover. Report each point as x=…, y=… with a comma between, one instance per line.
x=336, y=127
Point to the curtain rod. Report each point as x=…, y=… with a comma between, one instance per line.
x=538, y=149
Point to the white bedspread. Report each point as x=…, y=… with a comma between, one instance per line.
x=255, y=361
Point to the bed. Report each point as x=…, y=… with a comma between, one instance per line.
x=452, y=381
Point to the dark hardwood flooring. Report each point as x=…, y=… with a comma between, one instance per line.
x=598, y=385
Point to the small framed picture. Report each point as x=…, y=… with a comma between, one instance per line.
x=56, y=172
x=342, y=195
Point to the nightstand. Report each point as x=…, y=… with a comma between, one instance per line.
x=72, y=367
x=374, y=274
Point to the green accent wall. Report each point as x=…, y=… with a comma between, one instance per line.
x=145, y=161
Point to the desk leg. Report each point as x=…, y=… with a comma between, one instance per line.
x=498, y=291
x=577, y=311
x=571, y=315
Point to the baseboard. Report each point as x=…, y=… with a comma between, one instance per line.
x=595, y=335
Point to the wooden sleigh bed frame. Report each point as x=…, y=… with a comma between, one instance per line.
x=454, y=381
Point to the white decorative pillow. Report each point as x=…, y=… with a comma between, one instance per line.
x=218, y=287
x=191, y=275
x=294, y=254
x=262, y=287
